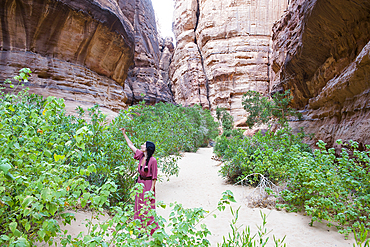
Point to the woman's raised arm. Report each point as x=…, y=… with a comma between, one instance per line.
x=129, y=142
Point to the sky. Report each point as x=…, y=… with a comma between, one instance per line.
x=164, y=12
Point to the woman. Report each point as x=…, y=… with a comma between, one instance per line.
x=147, y=170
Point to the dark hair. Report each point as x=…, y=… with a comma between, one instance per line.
x=150, y=148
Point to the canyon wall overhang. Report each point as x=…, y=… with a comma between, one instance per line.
x=321, y=51
x=77, y=49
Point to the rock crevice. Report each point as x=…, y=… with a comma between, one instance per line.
x=227, y=43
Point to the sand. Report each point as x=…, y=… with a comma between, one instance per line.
x=199, y=185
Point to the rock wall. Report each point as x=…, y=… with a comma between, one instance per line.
x=84, y=50
x=143, y=81
x=321, y=51
x=80, y=50
x=222, y=51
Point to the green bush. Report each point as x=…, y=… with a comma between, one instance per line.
x=50, y=161
x=268, y=154
x=264, y=110
x=37, y=182
x=330, y=187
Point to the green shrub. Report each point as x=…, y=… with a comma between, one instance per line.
x=263, y=110
x=268, y=154
x=330, y=187
x=50, y=161
x=37, y=183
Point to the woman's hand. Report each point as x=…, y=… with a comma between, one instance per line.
x=129, y=142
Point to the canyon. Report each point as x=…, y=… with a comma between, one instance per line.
x=319, y=50
x=109, y=52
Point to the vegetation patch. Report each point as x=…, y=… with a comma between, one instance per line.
x=51, y=162
x=328, y=187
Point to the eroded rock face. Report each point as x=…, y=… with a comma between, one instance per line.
x=144, y=77
x=80, y=50
x=222, y=51
x=322, y=53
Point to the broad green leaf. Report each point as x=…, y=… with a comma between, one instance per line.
x=5, y=167
x=46, y=194
x=47, y=153
x=41, y=233
x=13, y=226
x=5, y=237
x=16, y=145
x=58, y=157
x=27, y=226
x=26, y=211
x=91, y=168
x=9, y=176
x=36, y=139
x=53, y=208
x=27, y=201
x=17, y=233
x=22, y=242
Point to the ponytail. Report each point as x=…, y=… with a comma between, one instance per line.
x=150, y=148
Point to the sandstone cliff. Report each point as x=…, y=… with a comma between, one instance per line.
x=82, y=50
x=144, y=77
x=222, y=51
x=322, y=53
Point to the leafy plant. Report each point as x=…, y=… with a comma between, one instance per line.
x=226, y=121
x=329, y=187
x=263, y=110
x=244, y=238
x=269, y=154
x=50, y=162
x=121, y=230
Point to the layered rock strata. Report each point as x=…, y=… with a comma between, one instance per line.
x=85, y=50
x=322, y=53
x=80, y=50
x=144, y=77
x=222, y=51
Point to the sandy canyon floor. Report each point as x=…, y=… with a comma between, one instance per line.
x=199, y=185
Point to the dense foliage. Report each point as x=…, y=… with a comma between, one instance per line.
x=268, y=154
x=329, y=187
x=263, y=110
x=50, y=161
x=226, y=121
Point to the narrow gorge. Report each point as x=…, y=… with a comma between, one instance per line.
x=109, y=52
